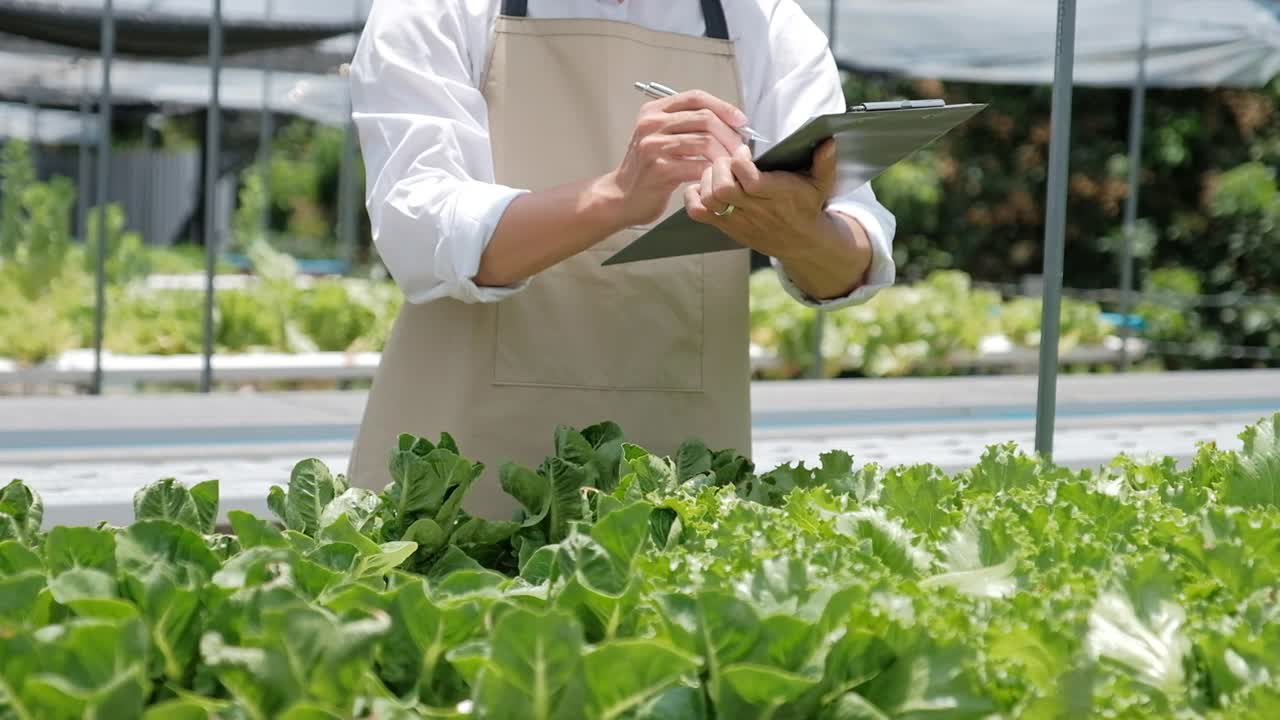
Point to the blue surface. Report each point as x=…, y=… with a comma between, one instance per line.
x=1133, y=322
x=306, y=267
x=806, y=418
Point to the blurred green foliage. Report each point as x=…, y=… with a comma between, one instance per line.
x=924, y=328
x=974, y=201
x=47, y=297
x=127, y=259
x=1209, y=203
x=300, y=194
x=35, y=222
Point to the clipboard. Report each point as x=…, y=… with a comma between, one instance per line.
x=872, y=138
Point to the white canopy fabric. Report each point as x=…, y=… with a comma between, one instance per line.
x=47, y=127
x=1192, y=43
x=59, y=80
x=276, y=12
x=180, y=28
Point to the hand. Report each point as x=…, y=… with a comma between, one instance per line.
x=775, y=213
x=783, y=215
x=675, y=140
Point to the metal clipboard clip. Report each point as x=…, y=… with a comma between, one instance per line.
x=897, y=105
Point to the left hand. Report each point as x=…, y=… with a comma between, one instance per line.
x=779, y=214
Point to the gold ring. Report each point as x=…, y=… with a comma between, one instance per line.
x=726, y=212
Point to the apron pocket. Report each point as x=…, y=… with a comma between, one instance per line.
x=637, y=326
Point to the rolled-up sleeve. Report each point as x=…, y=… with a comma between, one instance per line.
x=802, y=82
x=423, y=127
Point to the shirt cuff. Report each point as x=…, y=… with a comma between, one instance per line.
x=882, y=273
x=478, y=207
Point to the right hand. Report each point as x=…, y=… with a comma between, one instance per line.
x=675, y=140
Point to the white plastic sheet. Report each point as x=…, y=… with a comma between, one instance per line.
x=283, y=12
x=1193, y=43
x=49, y=127
x=57, y=79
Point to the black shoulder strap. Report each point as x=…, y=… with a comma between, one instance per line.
x=712, y=12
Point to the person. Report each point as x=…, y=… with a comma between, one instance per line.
x=509, y=154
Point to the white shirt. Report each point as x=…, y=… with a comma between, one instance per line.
x=423, y=125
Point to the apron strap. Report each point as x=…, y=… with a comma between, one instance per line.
x=712, y=13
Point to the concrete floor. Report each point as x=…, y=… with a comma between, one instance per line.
x=87, y=455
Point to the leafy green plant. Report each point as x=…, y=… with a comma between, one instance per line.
x=144, y=322
x=1170, y=315
x=16, y=174
x=35, y=330
x=304, y=171
x=246, y=225
x=127, y=258
x=419, y=518
x=906, y=329
x=247, y=322
x=35, y=222
x=334, y=314
x=1249, y=189
x=1081, y=323
x=682, y=586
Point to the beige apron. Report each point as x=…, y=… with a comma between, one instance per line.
x=659, y=347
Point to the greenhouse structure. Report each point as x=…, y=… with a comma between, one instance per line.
x=1038, y=477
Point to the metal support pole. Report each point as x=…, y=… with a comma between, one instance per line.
x=1137, y=112
x=266, y=130
x=83, y=158
x=108, y=50
x=348, y=197
x=148, y=182
x=212, y=165
x=34, y=145
x=1055, y=226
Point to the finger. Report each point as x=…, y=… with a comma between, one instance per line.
x=824, y=168
x=703, y=121
x=706, y=187
x=680, y=171
x=695, y=208
x=693, y=145
x=745, y=171
x=724, y=187
x=821, y=176
x=698, y=99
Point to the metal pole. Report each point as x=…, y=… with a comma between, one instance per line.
x=83, y=159
x=831, y=24
x=108, y=50
x=34, y=145
x=346, y=193
x=213, y=136
x=347, y=196
x=1137, y=112
x=148, y=182
x=266, y=130
x=1055, y=226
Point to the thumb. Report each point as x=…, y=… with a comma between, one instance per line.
x=823, y=171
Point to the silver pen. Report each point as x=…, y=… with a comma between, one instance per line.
x=658, y=90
